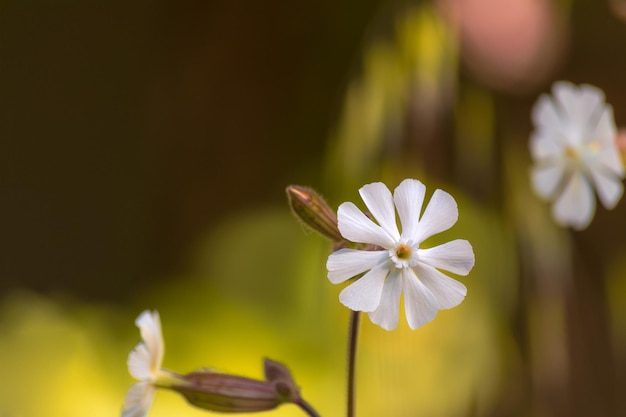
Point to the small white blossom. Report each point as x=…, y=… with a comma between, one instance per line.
x=398, y=264
x=574, y=150
x=144, y=364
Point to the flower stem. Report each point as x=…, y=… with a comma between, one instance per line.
x=307, y=408
x=353, y=335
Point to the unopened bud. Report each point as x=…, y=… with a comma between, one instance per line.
x=313, y=211
x=237, y=394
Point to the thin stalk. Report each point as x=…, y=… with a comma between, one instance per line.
x=353, y=335
x=307, y=408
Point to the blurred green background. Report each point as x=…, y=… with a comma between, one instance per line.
x=145, y=148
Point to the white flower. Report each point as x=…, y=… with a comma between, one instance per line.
x=144, y=364
x=398, y=264
x=574, y=149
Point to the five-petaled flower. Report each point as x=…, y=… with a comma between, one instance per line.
x=395, y=262
x=574, y=150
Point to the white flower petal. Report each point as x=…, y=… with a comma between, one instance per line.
x=138, y=399
x=589, y=106
x=456, y=256
x=441, y=213
x=364, y=293
x=545, y=114
x=379, y=202
x=576, y=204
x=610, y=189
x=149, y=324
x=355, y=226
x=567, y=98
x=409, y=198
x=140, y=363
x=420, y=304
x=347, y=263
x=609, y=158
x=547, y=178
x=604, y=130
x=448, y=292
x=386, y=315
x=544, y=146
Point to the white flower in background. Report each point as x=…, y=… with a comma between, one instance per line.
x=398, y=264
x=574, y=150
x=144, y=364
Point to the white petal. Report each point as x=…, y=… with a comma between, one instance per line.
x=545, y=115
x=609, y=158
x=546, y=179
x=379, y=202
x=448, y=292
x=347, y=263
x=409, y=198
x=456, y=256
x=441, y=213
x=546, y=145
x=610, y=189
x=576, y=204
x=604, y=130
x=420, y=304
x=149, y=324
x=364, y=293
x=138, y=399
x=355, y=226
x=140, y=363
x=386, y=315
x=589, y=105
x=566, y=95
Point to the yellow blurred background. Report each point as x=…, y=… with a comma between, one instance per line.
x=145, y=149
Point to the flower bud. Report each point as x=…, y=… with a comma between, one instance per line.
x=236, y=394
x=313, y=211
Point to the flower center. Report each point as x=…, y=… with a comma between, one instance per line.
x=403, y=255
x=571, y=153
x=403, y=252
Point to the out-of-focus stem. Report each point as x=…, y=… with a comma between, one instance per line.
x=353, y=336
x=307, y=408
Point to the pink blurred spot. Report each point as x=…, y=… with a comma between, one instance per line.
x=510, y=45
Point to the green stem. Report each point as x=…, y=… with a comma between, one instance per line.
x=353, y=335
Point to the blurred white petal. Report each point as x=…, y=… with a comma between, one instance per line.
x=576, y=204
x=140, y=362
x=545, y=114
x=544, y=147
x=379, y=202
x=456, y=256
x=604, y=131
x=355, y=226
x=347, y=263
x=149, y=324
x=610, y=189
x=138, y=399
x=546, y=179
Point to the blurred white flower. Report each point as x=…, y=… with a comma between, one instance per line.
x=574, y=150
x=144, y=364
x=397, y=264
